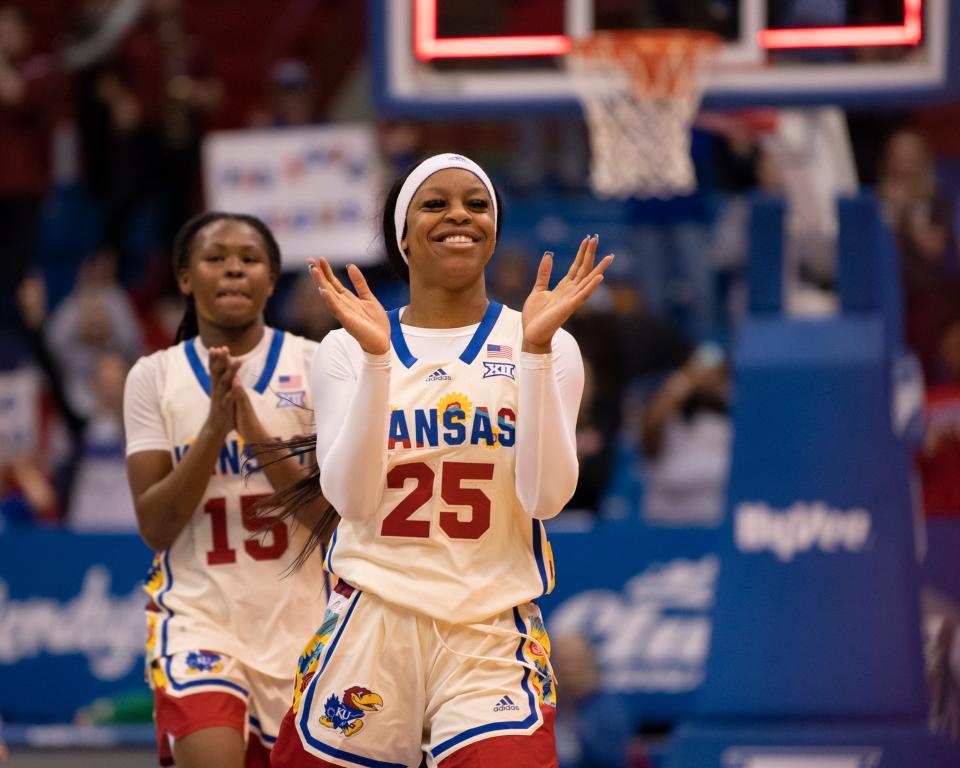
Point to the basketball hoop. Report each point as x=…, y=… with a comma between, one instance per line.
x=640, y=92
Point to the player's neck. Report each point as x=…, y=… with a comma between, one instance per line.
x=436, y=307
x=239, y=340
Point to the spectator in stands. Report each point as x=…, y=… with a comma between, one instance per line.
x=303, y=314
x=95, y=478
x=100, y=494
x=686, y=443
x=32, y=96
x=939, y=459
x=293, y=97
x=145, y=116
x=941, y=625
x=593, y=728
x=96, y=317
x=922, y=218
x=27, y=496
x=511, y=274
x=621, y=342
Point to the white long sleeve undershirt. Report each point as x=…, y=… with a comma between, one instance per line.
x=351, y=392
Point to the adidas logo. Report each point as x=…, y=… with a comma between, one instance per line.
x=506, y=705
x=439, y=375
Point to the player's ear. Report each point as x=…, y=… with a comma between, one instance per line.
x=185, y=284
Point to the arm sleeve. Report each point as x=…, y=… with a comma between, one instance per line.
x=350, y=393
x=142, y=420
x=550, y=389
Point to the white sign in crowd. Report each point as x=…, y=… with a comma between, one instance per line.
x=316, y=187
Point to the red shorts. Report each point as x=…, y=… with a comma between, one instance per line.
x=194, y=690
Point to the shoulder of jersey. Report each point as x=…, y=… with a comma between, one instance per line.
x=161, y=355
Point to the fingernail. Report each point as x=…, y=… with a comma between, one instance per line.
x=548, y=253
x=596, y=237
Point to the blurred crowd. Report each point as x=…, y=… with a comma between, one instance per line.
x=101, y=131
x=102, y=122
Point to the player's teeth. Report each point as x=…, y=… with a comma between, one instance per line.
x=457, y=239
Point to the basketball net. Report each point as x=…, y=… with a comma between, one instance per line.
x=640, y=92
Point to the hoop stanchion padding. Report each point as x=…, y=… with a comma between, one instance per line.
x=817, y=599
x=817, y=611
x=640, y=92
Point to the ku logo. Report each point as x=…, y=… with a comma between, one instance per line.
x=203, y=661
x=497, y=369
x=347, y=716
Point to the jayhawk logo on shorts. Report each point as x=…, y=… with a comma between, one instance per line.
x=347, y=716
x=203, y=661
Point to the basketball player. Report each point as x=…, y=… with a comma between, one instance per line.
x=222, y=626
x=445, y=435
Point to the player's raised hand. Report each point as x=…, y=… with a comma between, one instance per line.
x=545, y=311
x=248, y=424
x=359, y=313
x=223, y=372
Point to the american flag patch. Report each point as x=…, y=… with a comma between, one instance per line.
x=500, y=351
x=290, y=382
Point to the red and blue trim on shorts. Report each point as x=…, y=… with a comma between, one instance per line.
x=303, y=718
x=492, y=728
x=166, y=658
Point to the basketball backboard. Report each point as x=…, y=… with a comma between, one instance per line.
x=460, y=57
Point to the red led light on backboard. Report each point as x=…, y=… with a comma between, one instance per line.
x=427, y=46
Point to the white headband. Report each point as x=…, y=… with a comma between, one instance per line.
x=421, y=173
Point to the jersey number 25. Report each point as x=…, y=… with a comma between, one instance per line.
x=452, y=474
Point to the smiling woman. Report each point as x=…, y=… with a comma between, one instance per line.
x=445, y=435
x=189, y=412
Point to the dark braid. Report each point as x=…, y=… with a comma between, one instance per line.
x=302, y=495
x=183, y=248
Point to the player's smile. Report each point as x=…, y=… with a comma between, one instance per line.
x=457, y=239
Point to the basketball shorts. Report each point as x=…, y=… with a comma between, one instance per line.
x=379, y=686
x=200, y=689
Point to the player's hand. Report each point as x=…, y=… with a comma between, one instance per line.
x=545, y=311
x=248, y=425
x=359, y=313
x=221, y=419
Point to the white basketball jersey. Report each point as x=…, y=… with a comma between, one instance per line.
x=450, y=538
x=218, y=587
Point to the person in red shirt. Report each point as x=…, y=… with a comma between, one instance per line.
x=939, y=459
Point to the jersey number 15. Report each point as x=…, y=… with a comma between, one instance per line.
x=267, y=546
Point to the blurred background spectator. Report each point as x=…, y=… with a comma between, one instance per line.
x=94, y=473
x=32, y=102
x=593, y=728
x=939, y=458
x=686, y=443
x=293, y=100
x=923, y=217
